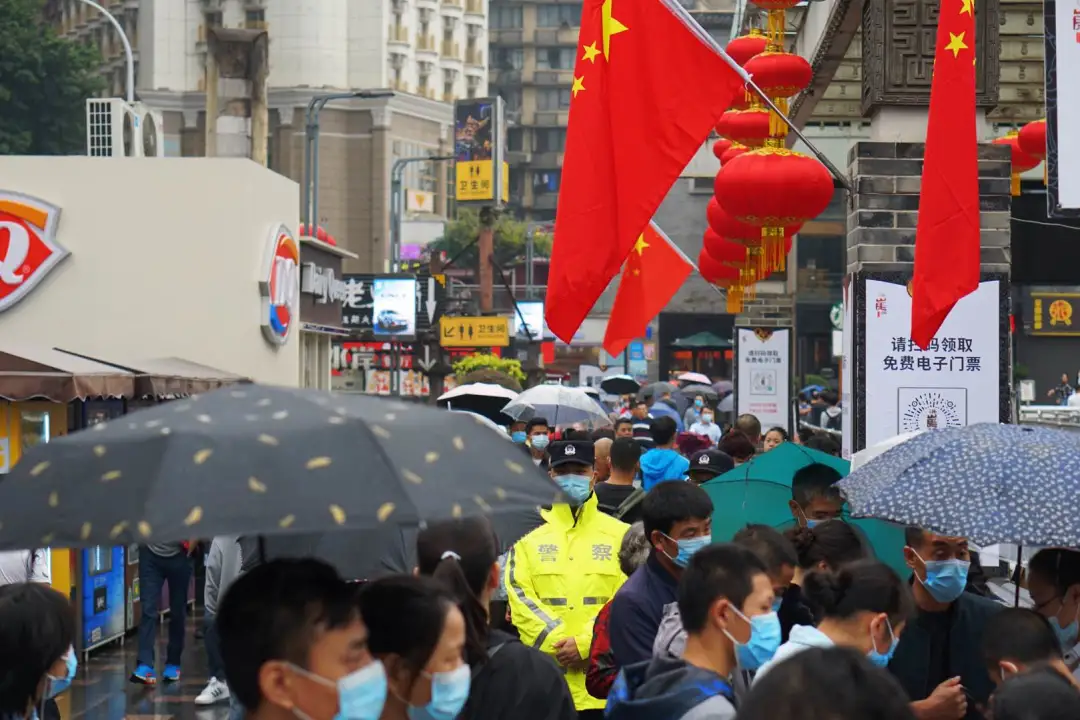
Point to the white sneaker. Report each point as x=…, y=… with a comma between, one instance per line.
x=215, y=691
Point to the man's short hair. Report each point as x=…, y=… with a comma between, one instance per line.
x=535, y=423
x=601, y=433
x=634, y=549
x=718, y=571
x=663, y=430
x=624, y=421
x=830, y=397
x=774, y=549
x=914, y=536
x=1058, y=566
x=671, y=502
x=275, y=612
x=625, y=453
x=812, y=481
x=822, y=442
x=1021, y=635
x=749, y=426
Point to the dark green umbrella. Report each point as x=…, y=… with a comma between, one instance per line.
x=758, y=492
x=260, y=460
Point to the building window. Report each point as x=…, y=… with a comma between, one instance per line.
x=514, y=139
x=509, y=58
x=512, y=98
x=546, y=182
x=547, y=140
x=555, y=58
x=549, y=16
x=505, y=18
x=254, y=19
x=212, y=19
x=517, y=181
x=552, y=98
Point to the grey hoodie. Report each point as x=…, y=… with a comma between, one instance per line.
x=222, y=568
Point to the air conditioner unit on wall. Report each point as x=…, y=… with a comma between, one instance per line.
x=115, y=128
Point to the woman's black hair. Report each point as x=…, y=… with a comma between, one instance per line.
x=833, y=542
x=460, y=555
x=1042, y=694
x=863, y=586
x=737, y=445
x=778, y=429
x=405, y=616
x=827, y=684
x=37, y=628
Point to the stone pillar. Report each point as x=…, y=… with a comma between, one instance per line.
x=236, y=95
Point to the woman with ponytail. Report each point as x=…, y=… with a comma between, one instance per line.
x=510, y=681
x=864, y=605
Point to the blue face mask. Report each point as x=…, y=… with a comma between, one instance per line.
x=518, y=436
x=449, y=692
x=882, y=659
x=58, y=685
x=576, y=487
x=763, y=643
x=1068, y=635
x=361, y=695
x=945, y=579
x=540, y=442
x=776, y=603
x=698, y=403
x=687, y=548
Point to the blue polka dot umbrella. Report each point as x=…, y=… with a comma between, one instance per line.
x=990, y=483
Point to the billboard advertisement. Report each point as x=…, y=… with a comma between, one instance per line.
x=479, y=137
x=763, y=375
x=533, y=313
x=394, y=306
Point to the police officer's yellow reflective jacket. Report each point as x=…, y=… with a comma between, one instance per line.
x=559, y=576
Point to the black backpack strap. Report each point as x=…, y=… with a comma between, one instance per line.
x=629, y=503
x=491, y=654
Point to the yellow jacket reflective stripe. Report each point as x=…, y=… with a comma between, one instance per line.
x=559, y=576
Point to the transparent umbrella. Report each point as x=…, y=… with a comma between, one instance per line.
x=559, y=405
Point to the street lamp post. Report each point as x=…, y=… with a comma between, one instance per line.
x=126, y=43
x=397, y=201
x=310, y=211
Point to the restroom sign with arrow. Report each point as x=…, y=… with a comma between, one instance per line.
x=430, y=299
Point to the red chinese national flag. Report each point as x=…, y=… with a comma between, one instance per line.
x=649, y=85
x=655, y=270
x=947, y=235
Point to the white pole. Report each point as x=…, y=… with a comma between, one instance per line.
x=127, y=47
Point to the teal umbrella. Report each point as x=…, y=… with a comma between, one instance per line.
x=758, y=492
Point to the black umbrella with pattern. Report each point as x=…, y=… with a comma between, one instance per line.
x=261, y=460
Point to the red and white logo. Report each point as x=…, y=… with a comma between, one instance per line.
x=28, y=246
x=280, y=286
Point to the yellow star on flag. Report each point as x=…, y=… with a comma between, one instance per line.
x=968, y=7
x=591, y=51
x=640, y=245
x=579, y=85
x=956, y=44
x=610, y=26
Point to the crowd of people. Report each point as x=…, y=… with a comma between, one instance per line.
x=621, y=604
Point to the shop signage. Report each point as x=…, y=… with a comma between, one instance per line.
x=1054, y=313
x=763, y=375
x=279, y=285
x=358, y=310
x=836, y=316
x=322, y=283
x=28, y=246
x=474, y=332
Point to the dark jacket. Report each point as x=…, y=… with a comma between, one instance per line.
x=667, y=689
x=602, y=669
x=637, y=609
x=517, y=683
x=912, y=662
x=794, y=610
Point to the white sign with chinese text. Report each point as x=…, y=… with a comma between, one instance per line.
x=954, y=382
x=764, y=375
x=847, y=375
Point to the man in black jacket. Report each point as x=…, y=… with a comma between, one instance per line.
x=939, y=660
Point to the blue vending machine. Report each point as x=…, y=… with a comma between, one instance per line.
x=100, y=587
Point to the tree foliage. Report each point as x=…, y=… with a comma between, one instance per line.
x=472, y=366
x=44, y=83
x=510, y=240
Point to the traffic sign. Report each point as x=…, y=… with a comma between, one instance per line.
x=474, y=332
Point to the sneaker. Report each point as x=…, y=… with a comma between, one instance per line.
x=171, y=674
x=215, y=691
x=144, y=675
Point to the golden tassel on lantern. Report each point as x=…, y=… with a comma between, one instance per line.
x=1014, y=184
x=775, y=28
x=774, y=242
x=777, y=127
x=734, y=300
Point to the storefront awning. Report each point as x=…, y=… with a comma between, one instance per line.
x=171, y=376
x=702, y=341
x=29, y=372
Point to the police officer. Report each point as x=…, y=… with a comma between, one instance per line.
x=559, y=576
x=707, y=464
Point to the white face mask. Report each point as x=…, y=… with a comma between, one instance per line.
x=706, y=418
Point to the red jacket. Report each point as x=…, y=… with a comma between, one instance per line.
x=602, y=669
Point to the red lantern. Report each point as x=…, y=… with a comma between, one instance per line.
x=720, y=147
x=780, y=75
x=722, y=223
x=747, y=46
x=733, y=152
x=331, y=241
x=724, y=250
x=774, y=189
x=721, y=275
x=747, y=127
x=320, y=233
x=1033, y=141
x=1021, y=161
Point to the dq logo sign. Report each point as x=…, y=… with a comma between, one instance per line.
x=28, y=247
x=280, y=286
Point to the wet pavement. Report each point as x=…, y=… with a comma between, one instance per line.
x=101, y=690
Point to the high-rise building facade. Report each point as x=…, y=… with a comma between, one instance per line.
x=533, y=49
x=430, y=52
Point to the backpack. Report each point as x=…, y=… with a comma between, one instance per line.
x=632, y=500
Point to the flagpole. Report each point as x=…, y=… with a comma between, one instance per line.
x=708, y=39
x=685, y=257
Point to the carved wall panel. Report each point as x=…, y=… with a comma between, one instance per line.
x=898, y=51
